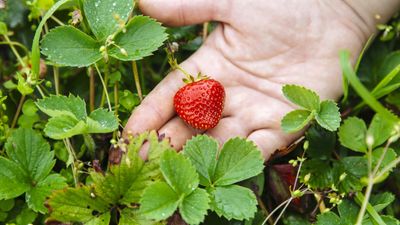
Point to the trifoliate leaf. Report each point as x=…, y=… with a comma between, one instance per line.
x=352, y=134
x=37, y=195
x=61, y=127
x=202, y=150
x=302, y=96
x=142, y=37
x=380, y=129
x=296, y=120
x=328, y=218
x=194, y=207
x=68, y=46
x=159, y=201
x=106, y=16
x=382, y=200
x=329, y=116
x=31, y=152
x=101, y=121
x=179, y=173
x=233, y=202
x=13, y=180
x=76, y=205
x=58, y=105
x=239, y=160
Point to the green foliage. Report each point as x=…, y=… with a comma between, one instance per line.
x=326, y=113
x=219, y=170
x=69, y=117
x=28, y=168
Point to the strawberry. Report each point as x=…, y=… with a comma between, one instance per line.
x=200, y=102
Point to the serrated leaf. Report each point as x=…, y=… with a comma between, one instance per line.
x=321, y=173
x=31, y=152
x=179, y=173
x=133, y=217
x=321, y=142
x=13, y=180
x=64, y=127
x=302, y=96
x=233, y=202
x=389, y=157
x=239, y=159
x=382, y=200
x=356, y=165
x=101, y=15
x=36, y=196
x=328, y=218
x=202, y=151
x=76, y=205
x=103, y=219
x=352, y=134
x=58, y=105
x=194, y=207
x=101, y=121
x=296, y=120
x=159, y=201
x=142, y=37
x=380, y=129
x=68, y=46
x=329, y=116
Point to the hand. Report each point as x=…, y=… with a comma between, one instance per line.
x=258, y=47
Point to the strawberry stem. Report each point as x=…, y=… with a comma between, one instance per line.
x=174, y=63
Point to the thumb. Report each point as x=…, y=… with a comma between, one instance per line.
x=184, y=12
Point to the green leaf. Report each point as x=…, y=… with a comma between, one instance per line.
x=68, y=46
x=239, y=160
x=321, y=142
x=159, y=201
x=76, y=205
x=389, y=157
x=101, y=121
x=348, y=211
x=302, y=96
x=356, y=165
x=142, y=37
x=6, y=205
x=179, y=173
x=101, y=15
x=64, y=127
x=202, y=151
x=133, y=217
x=36, y=196
x=13, y=180
x=352, y=134
x=380, y=129
x=194, y=207
x=321, y=173
x=296, y=120
x=329, y=116
x=328, y=218
x=382, y=200
x=233, y=202
x=58, y=105
x=31, y=152
x=3, y=28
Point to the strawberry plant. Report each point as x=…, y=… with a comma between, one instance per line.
x=72, y=72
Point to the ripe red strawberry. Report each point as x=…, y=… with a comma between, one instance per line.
x=200, y=103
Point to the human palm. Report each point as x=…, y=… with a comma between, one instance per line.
x=257, y=48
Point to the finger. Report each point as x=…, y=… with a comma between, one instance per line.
x=178, y=132
x=269, y=140
x=184, y=12
x=227, y=128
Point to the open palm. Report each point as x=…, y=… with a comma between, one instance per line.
x=258, y=47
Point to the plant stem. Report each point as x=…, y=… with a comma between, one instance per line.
x=90, y=144
x=40, y=91
x=21, y=102
x=264, y=210
x=388, y=167
x=320, y=202
x=276, y=209
x=57, y=20
x=72, y=154
x=360, y=198
x=137, y=81
x=105, y=92
x=104, y=87
x=91, y=88
x=14, y=51
x=366, y=200
x=205, y=30
x=56, y=74
x=16, y=44
x=116, y=98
